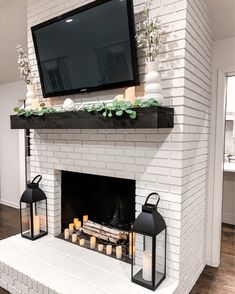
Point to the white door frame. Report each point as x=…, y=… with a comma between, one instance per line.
x=215, y=189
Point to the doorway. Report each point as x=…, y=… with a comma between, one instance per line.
x=216, y=169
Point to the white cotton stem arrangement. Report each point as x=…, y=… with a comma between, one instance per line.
x=24, y=66
x=149, y=34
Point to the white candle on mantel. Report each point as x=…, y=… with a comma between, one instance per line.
x=109, y=249
x=82, y=242
x=36, y=225
x=100, y=247
x=74, y=237
x=71, y=228
x=147, y=266
x=66, y=234
x=119, y=251
x=92, y=242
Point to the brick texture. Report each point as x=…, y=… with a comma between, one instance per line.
x=171, y=162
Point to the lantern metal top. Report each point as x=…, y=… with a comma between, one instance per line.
x=33, y=193
x=149, y=222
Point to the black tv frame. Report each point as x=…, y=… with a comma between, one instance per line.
x=135, y=68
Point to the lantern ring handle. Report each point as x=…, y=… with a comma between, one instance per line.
x=38, y=176
x=153, y=194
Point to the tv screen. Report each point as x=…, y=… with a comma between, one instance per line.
x=88, y=49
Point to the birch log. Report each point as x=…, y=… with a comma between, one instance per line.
x=103, y=232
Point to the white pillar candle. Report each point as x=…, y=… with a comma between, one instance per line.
x=71, y=228
x=66, y=234
x=82, y=242
x=74, y=237
x=77, y=225
x=147, y=266
x=92, y=242
x=36, y=225
x=75, y=220
x=100, y=247
x=119, y=251
x=85, y=218
x=109, y=249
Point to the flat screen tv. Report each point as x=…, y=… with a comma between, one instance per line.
x=88, y=49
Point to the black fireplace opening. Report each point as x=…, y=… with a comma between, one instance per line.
x=106, y=200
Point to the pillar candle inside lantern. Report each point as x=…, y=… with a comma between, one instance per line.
x=147, y=266
x=36, y=225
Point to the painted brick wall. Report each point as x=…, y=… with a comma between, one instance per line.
x=195, y=137
x=172, y=162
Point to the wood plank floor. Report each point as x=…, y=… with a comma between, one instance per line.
x=211, y=281
x=220, y=280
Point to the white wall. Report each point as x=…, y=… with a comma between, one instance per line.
x=224, y=58
x=9, y=144
x=223, y=63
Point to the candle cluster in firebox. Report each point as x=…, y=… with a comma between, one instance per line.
x=72, y=233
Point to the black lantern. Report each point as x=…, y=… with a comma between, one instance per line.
x=33, y=211
x=149, y=246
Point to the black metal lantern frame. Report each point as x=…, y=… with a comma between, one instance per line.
x=33, y=226
x=149, y=246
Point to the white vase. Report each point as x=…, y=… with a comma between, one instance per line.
x=153, y=88
x=69, y=105
x=30, y=97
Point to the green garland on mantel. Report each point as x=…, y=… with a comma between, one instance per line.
x=116, y=107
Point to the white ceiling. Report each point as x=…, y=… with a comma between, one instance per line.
x=12, y=32
x=222, y=14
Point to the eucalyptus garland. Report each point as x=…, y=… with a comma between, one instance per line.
x=114, y=108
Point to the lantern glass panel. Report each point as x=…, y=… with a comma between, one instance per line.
x=142, y=259
x=25, y=219
x=160, y=262
x=34, y=225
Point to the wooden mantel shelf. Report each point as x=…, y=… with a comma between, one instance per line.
x=154, y=117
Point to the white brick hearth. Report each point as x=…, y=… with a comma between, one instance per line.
x=52, y=266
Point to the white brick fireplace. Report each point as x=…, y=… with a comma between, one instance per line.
x=171, y=162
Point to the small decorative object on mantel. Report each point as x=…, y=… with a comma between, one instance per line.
x=130, y=94
x=26, y=74
x=69, y=105
x=149, y=34
x=33, y=225
x=149, y=240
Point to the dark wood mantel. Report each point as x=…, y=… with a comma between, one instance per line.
x=154, y=117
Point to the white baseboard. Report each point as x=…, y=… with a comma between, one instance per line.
x=9, y=203
x=229, y=218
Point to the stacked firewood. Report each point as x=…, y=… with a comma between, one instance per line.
x=105, y=233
